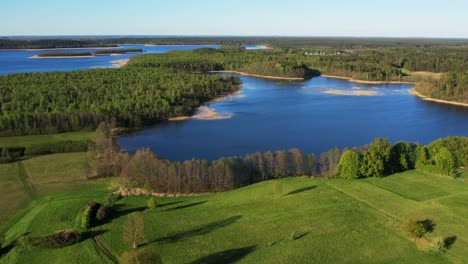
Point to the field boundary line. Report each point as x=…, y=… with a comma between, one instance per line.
x=361, y=201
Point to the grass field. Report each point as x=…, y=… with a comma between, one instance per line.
x=313, y=221
x=39, y=176
x=39, y=139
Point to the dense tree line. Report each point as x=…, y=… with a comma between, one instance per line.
x=88, y=53
x=281, y=42
x=270, y=63
x=378, y=159
x=50, y=43
x=452, y=86
x=37, y=103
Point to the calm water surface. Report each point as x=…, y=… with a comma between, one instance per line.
x=272, y=115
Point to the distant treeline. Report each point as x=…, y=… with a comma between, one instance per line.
x=270, y=63
x=47, y=103
x=452, y=86
x=104, y=52
x=7, y=43
x=281, y=42
x=279, y=63
x=378, y=159
x=64, y=54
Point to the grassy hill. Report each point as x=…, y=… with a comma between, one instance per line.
x=301, y=220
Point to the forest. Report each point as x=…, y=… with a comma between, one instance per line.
x=104, y=52
x=277, y=42
x=271, y=63
x=155, y=87
x=378, y=159
x=452, y=86
x=48, y=103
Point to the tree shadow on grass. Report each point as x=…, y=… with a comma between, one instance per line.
x=5, y=250
x=226, y=256
x=116, y=213
x=167, y=204
x=91, y=234
x=305, y=189
x=201, y=230
x=449, y=241
x=186, y=206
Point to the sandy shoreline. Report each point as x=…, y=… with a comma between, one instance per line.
x=120, y=63
x=426, y=98
x=365, y=82
x=261, y=76
x=351, y=93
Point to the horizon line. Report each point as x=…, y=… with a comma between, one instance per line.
x=225, y=36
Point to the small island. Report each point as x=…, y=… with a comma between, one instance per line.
x=87, y=54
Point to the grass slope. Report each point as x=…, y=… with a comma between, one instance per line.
x=45, y=175
x=314, y=221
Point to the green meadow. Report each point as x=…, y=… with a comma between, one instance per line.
x=298, y=220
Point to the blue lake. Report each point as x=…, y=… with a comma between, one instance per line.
x=272, y=115
x=15, y=61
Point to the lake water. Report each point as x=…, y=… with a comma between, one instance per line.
x=15, y=61
x=272, y=115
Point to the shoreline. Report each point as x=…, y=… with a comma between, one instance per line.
x=60, y=57
x=261, y=76
x=120, y=63
x=365, y=82
x=429, y=99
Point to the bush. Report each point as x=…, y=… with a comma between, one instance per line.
x=350, y=164
x=416, y=228
x=102, y=213
x=152, y=203
x=5, y=156
x=88, y=219
x=439, y=244
x=112, y=198
x=57, y=240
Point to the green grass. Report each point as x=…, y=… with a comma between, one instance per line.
x=39, y=139
x=46, y=175
x=314, y=221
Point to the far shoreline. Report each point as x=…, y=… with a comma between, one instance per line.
x=430, y=99
x=365, y=82
x=261, y=76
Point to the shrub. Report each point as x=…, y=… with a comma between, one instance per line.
x=102, y=213
x=57, y=240
x=152, y=203
x=112, y=198
x=88, y=219
x=439, y=244
x=5, y=156
x=416, y=228
x=350, y=164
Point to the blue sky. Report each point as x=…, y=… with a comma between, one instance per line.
x=395, y=18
